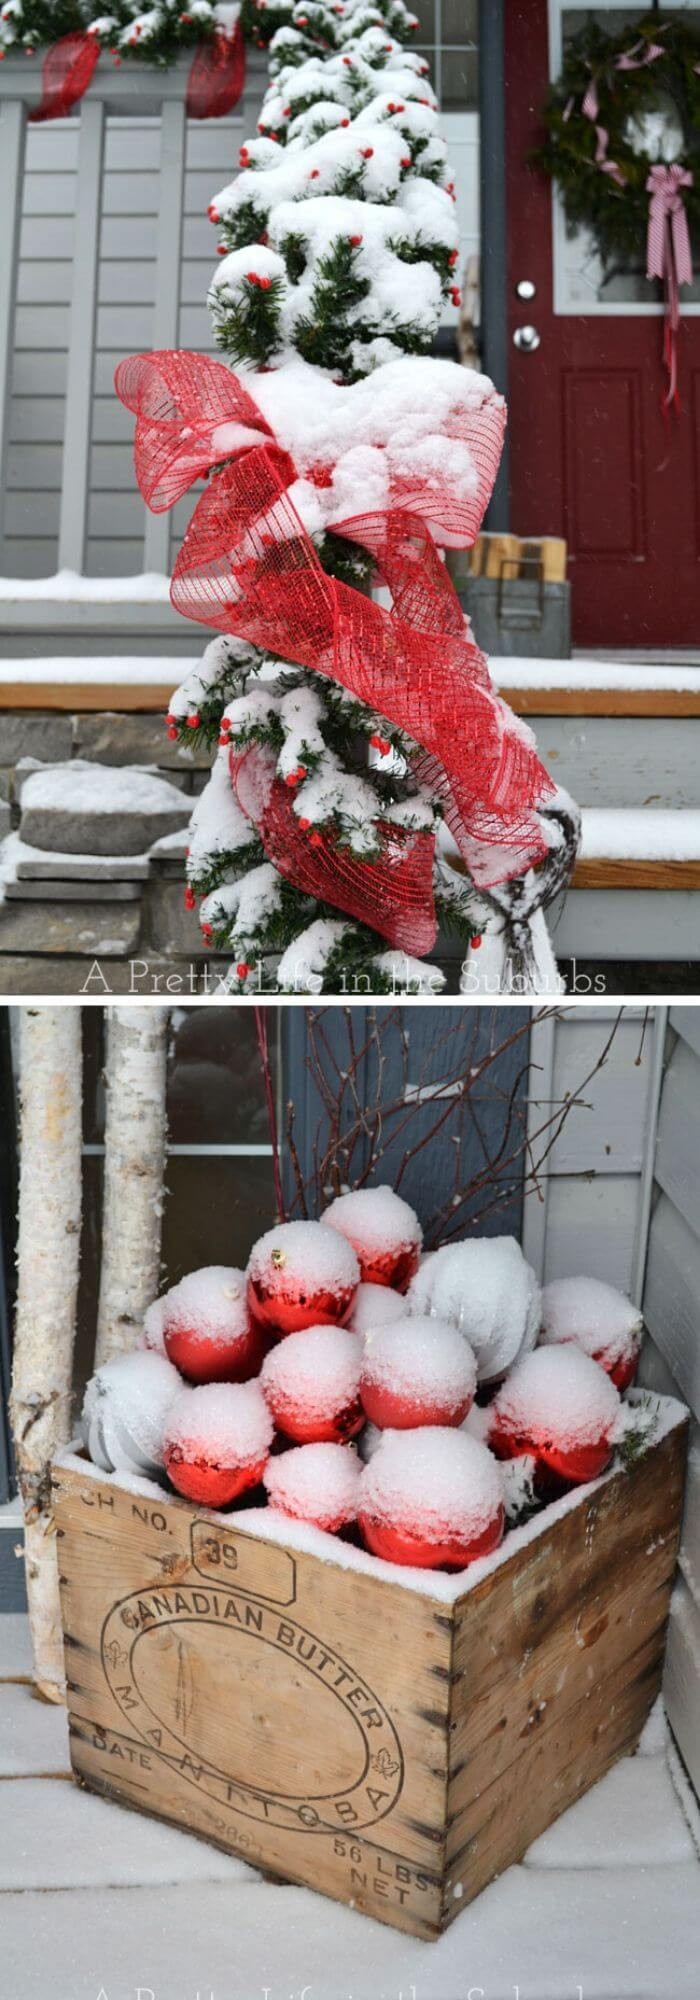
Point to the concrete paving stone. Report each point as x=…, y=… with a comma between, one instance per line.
x=5, y=818
x=72, y=892
x=33, y=1734
x=60, y=928
x=133, y=739
x=15, y=1646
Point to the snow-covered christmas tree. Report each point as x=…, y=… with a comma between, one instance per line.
x=369, y=785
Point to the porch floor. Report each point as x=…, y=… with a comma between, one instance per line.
x=97, y=1902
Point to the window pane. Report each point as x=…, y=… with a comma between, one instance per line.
x=215, y=1085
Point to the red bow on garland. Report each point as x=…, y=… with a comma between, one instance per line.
x=215, y=83
x=248, y=566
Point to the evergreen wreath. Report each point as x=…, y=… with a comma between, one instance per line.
x=590, y=115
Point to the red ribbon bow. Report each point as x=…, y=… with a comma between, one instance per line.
x=248, y=566
x=669, y=254
x=215, y=83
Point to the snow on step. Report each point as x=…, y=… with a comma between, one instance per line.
x=619, y=835
x=631, y=1819
x=580, y=674
x=67, y=587
x=543, y=1935
x=33, y=1734
x=118, y=670
x=54, y=1835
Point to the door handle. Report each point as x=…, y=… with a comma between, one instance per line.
x=526, y=339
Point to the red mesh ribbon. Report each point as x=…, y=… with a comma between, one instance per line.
x=393, y=894
x=217, y=75
x=247, y=566
x=67, y=71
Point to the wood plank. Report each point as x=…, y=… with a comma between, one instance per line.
x=654, y=701
x=122, y=698
x=636, y=874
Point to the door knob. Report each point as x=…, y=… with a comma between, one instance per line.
x=525, y=289
x=526, y=338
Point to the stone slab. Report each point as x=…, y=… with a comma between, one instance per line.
x=168, y=928
x=61, y=891
x=76, y=928
x=138, y=977
x=5, y=818
x=110, y=738
x=31, y=733
x=96, y=832
x=83, y=868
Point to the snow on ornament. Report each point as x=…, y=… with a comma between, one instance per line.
x=561, y=1407
x=599, y=1319
x=416, y=1372
x=375, y=1305
x=431, y=1499
x=125, y=1411
x=318, y=1483
x=487, y=1290
x=311, y=1384
x=217, y=1441
x=302, y=1274
x=207, y=1327
x=152, y=1331
x=383, y=1230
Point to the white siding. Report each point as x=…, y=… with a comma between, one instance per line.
x=672, y=1358
x=589, y=1213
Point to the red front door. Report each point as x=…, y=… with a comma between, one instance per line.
x=593, y=456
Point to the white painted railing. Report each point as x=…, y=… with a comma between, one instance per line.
x=130, y=93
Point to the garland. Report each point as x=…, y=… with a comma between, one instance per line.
x=76, y=32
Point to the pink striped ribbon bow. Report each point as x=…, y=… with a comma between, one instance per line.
x=669, y=254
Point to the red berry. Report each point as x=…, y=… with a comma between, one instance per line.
x=345, y=121
x=456, y=296
x=242, y=970
x=286, y=111
x=226, y=724
x=406, y=161
x=190, y=899
x=477, y=943
x=213, y=212
x=316, y=840
x=264, y=284
x=304, y=824
x=380, y=743
x=193, y=721
x=366, y=152
x=354, y=242
x=222, y=249
x=172, y=732
x=313, y=176
x=453, y=259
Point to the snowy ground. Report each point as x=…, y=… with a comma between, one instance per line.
x=97, y=1903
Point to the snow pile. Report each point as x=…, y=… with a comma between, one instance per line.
x=209, y=1305
x=443, y=1482
x=315, y=1373
x=125, y=1412
x=422, y=1363
x=316, y=1482
x=375, y=1306
x=486, y=1288
x=598, y=1318
x=374, y=1219
x=306, y=1254
x=557, y=1394
x=222, y=1423
x=153, y=1335
x=81, y=787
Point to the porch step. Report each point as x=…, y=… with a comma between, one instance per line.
x=614, y=734
x=614, y=911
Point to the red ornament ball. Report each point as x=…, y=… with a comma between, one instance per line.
x=384, y=1231
x=218, y=1441
x=311, y=1384
x=598, y=1319
x=207, y=1328
x=415, y=1372
x=431, y=1499
x=317, y=1483
x=562, y=1408
x=302, y=1274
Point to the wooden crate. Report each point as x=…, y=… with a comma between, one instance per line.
x=378, y=1742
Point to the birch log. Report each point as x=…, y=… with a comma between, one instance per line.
x=48, y=1263
x=132, y=1208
